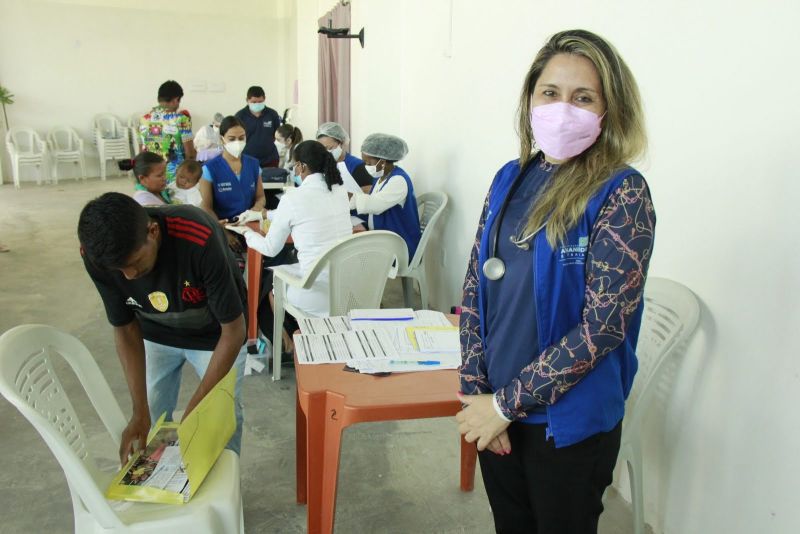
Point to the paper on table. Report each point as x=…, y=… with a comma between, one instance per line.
x=324, y=325
x=420, y=318
x=446, y=361
x=343, y=347
x=435, y=340
x=386, y=314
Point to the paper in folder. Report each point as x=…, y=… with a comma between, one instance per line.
x=178, y=457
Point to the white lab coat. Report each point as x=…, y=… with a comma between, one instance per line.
x=316, y=219
x=384, y=195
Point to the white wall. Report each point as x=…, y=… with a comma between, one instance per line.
x=719, y=81
x=68, y=60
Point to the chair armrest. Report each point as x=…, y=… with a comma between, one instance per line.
x=290, y=275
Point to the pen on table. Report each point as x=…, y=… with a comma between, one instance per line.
x=416, y=362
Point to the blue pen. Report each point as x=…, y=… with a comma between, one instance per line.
x=416, y=362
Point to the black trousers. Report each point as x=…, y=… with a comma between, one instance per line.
x=538, y=489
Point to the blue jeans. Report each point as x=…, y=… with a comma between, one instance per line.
x=163, y=367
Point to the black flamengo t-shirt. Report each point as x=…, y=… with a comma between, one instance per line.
x=193, y=288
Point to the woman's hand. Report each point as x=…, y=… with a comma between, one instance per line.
x=500, y=445
x=250, y=216
x=479, y=421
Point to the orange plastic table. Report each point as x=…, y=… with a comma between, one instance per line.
x=330, y=399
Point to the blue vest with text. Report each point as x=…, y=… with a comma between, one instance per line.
x=404, y=220
x=351, y=162
x=597, y=402
x=233, y=195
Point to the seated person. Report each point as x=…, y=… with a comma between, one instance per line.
x=286, y=138
x=334, y=137
x=390, y=204
x=207, y=141
x=317, y=215
x=150, y=172
x=186, y=189
x=231, y=182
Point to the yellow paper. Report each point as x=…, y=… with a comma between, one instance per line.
x=202, y=436
x=411, y=332
x=205, y=432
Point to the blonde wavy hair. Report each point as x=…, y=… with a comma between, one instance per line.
x=622, y=139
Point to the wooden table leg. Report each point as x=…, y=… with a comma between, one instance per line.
x=469, y=455
x=301, y=454
x=253, y=290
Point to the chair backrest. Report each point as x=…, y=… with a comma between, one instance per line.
x=431, y=206
x=28, y=380
x=63, y=139
x=24, y=140
x=671, y=314
x=133, y=121
x=108, y=126
x=358, y=267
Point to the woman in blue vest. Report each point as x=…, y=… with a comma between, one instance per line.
x=391, y=204
x=334, y=137
x=553, y=293
x=231, y=182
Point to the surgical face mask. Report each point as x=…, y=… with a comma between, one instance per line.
x=373, y=171
x=256, y=107
x=280, y=146
x=298, y=180
x=234, y=148
x=562, y=130
x=336, y=152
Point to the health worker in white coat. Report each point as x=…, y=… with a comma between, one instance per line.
x=316, y=214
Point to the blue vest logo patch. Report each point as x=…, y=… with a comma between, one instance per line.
x=574, y=254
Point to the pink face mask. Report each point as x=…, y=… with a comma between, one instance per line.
x=562, y=130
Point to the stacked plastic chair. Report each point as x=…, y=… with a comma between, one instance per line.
x=65, y=146
x=25, y=147
x=112, y=140
x=133, y=127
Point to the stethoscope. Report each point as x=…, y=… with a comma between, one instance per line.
x=494, y=268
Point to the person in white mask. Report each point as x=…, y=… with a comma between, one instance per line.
x=334, y=138
x=390, y=204
x=231, y=183
x=286, y=138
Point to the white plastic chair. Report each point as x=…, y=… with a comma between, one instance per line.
x=133, y=128
x=25, y=148
x=65, y=146
x=431, y=206
x=358, y=267
x=111, y=139
x=29, y=381
x=671, y=314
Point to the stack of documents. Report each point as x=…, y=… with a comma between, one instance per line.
x=381, y=341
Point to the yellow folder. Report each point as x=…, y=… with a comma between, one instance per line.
x=202, y=435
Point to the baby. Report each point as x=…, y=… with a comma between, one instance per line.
x=185, y=189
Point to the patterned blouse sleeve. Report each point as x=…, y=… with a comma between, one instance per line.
x=472, y=372
x=619, y=255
